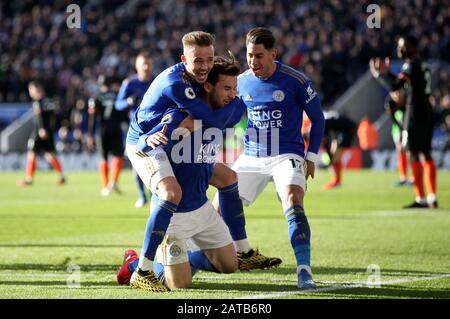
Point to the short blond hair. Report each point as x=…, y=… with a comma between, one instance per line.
x=199, y=38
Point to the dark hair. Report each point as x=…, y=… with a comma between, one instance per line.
x=410, y=41
x=200, y=38
x=106, y=80
x=223, y=66
x=262, y=36
x=144, y=54
x=37, y=84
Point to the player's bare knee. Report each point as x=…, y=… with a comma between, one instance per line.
x=170, y=191
x=232, y=177
x=224, y=177
x=174, y=196
x=293, y=197
x=179, y=283
x=230, y=267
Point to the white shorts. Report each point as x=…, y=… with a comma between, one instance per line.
x=201, y=229
x=255, y=172
x=151, y=167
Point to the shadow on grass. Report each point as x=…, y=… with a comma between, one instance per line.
x=390, y=291
x=242, y=286
x=124, y=246
x=321, y=217
x=349, y=271
x=58, y=282
x=275, y=271
x=60, y=267
x=79, y=218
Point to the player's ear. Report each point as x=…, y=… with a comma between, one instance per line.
x=274, y=53
x=183, y=59
x=208, y=87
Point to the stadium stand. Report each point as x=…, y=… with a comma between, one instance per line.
x=327, y=40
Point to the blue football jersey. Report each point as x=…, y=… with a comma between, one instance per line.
x=275, y=113
x=173, y=87
x=193, y=164
x=131, y=87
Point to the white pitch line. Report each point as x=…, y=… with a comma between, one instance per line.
x=341, y=287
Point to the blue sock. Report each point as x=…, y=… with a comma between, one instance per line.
x=157, y=224
x=133, y=265
x=299, y=234
x=140, y=187
x=232, y=211
x=199, y=261
x=158, y=269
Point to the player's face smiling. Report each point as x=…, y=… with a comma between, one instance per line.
x=198, y=61
x=223, y=92
x=260, y=60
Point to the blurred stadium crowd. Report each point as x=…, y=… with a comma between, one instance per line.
x=328, y=40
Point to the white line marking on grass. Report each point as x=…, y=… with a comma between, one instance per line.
x=342, y=287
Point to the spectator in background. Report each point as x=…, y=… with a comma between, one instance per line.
x=313, y=35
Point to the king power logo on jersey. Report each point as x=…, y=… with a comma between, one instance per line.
x=264, y=119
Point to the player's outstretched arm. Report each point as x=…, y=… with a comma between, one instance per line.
x=238, y=111
x=185, y=98
x=122, y=100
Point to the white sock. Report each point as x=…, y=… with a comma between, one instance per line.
x=145, y=264
x=242, y=246
x=431, y=198
x=421, y=200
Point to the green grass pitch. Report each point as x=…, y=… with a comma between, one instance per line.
x=44, y=229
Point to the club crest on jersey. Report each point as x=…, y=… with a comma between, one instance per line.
x=278, y=95
x=159, y=156
x=167, y=119
x=175, y=250
x=190, y=94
